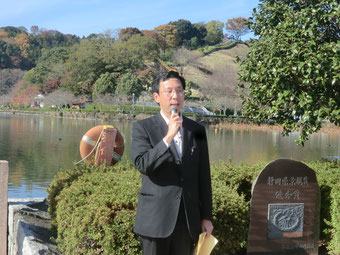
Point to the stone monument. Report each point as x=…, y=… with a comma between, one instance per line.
x=3, y=205
x=284, y=210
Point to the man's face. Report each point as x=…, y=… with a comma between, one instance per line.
x=171, y=95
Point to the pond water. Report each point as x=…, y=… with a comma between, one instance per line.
x=37, y=146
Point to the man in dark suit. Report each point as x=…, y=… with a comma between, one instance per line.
x=171, y=153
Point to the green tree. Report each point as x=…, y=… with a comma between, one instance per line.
x=106, y=83
x=84, y=66
x=293, y=69
x=50, y=68
x=129, y=84
x=7, y=53
x=185, y=30
x=214, y=32
x=200, y=33
x=47, y=39
x=14, y=31
x=130, y=55
x=191, y=35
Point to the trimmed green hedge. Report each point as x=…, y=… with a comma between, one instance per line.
x=93, y=208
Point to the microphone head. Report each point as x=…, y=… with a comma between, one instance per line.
x=173, y=110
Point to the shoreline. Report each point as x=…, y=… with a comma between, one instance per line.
x=212, y=121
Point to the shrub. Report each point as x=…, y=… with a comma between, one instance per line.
x=328, y=176
x=95, y=214
x=63, y=179
x=242, y=176
x=334, y=244
x=230, y=219
x=93, y=208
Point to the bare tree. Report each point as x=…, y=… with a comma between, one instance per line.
x=8, y=77
x=221, y=88
x=105, y=99
x=60, y=97
x=145, y=98
x=5, y=100
x=183, y=58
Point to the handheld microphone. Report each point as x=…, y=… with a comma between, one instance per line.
x=173, y=110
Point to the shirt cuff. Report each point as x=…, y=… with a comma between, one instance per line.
x=167, y=145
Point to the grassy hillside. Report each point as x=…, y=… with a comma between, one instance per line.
x=221, y=63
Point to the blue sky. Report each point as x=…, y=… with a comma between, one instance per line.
x=83, y=17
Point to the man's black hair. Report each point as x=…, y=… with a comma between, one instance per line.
x=163, y=76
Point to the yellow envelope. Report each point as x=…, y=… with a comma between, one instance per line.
x=205, y=245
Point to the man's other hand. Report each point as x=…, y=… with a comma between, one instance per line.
x=207, y=226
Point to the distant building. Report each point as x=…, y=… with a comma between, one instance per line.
x=38, y=101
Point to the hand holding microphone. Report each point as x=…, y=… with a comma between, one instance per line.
x=175, y=124
x=175, y=119
x=173, y=110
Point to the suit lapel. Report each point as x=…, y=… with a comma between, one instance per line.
x=186, y=138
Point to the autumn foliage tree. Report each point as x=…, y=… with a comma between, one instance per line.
x=237, y=27
x=51, y=85
x=126, y=33
x=159, y=39
x=25, y=95
x=170, y=35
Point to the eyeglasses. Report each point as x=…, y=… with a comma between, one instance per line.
x=170, y=93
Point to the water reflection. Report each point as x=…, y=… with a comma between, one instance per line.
x=37, y=146
x=253, y=145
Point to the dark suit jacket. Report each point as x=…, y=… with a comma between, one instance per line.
x=166, y=179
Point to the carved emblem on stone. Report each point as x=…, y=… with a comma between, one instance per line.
x=285, y=220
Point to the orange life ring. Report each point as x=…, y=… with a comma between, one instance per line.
x=104, y=142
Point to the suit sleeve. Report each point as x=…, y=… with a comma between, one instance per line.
x=205, y=192
x=146, y=157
